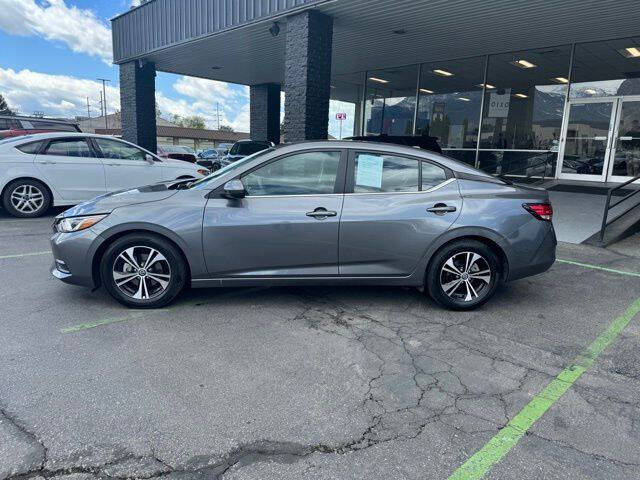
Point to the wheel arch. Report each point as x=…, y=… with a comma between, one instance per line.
x=490, y=238
x=32, y=178
x=115, y=235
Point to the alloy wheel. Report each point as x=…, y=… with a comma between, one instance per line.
x=27, y=198
x=141, y=272
x=465, y=276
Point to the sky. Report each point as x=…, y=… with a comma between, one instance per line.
x=53, y=51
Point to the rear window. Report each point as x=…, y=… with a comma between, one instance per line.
x=58, y=127
x=32, y=147
x=248, y=148
x=8, y=124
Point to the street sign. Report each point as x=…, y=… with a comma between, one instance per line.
x=341, y=116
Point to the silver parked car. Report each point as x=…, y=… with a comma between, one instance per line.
x=317, y=213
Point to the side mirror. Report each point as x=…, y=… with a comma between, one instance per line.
x=234, y=189
x=149, y=159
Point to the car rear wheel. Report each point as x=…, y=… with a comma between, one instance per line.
x=26, y=198
x=143, y=271
x=463, y=275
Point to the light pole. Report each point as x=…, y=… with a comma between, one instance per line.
x=104, y=99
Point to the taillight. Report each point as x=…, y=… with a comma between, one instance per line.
x=542, y=211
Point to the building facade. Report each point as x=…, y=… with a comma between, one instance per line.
x=512, y=86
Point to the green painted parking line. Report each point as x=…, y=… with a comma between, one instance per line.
x=483, y=460
x=598, y=267
x=99, y=323
x=20, y=255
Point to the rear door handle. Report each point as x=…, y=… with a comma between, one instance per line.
x=441, y=209
x=321, y=213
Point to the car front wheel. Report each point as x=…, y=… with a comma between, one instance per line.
x=143, y=271
x=463, y=275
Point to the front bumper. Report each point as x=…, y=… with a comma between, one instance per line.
x=73, y=255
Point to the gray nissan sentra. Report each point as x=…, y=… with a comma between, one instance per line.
x=317, y=213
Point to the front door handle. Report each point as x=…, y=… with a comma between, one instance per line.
x=441, y=209
x=321, y=213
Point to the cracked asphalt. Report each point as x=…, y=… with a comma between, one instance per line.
x=319, y=383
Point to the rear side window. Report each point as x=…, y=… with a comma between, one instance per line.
x=381, y=173
x=376, y=173
x=69, y=147
x=432, y=175
x=32, y=147
x=119, y=150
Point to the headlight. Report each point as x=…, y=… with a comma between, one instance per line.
x=203, y=171
x=75, y=224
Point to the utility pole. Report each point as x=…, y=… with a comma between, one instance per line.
x=104, y=99
x=88, y=111
x=218, y=114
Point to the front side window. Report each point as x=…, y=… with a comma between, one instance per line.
x=310, y=173
x=69, y=147
x=119, y=150
x=377, y=173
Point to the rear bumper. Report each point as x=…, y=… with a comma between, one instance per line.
x=541, y=261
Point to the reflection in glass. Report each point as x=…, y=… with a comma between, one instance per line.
x=587, y=138
x=626, y=161
x=524, y=109
x=346, y=97
x=517, y=163
x=390, y=101
x=449, y=105
x=604, y=69
x=385, y=173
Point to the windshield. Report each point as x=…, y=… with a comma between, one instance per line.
x=202, y=184
x=247, y=148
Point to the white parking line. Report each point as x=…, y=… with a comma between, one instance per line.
x=20, y=255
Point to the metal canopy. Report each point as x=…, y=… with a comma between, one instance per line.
x=364, y=39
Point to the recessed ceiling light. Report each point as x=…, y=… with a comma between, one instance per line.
x=560, y=80
x=630, y=52
x=590, y=91
x=426, y=90
x=521, y=95
x=489, y=86
x=523, y=64
x=442, y=73
x=379, y=80
x=215, y=67
x=464, y=99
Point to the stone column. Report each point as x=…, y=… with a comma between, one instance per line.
x=138, y=104
x=264, y=107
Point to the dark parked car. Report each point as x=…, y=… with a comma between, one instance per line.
x=317, y=213
x=11, y=126
x=422, y=141
x=244, y=148
x=212, y=159
x=177, y=152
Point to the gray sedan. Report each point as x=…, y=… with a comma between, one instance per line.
x=316, y=213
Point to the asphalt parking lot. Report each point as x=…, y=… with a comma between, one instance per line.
x=320, y=383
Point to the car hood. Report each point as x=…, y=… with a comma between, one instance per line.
x=109, y=202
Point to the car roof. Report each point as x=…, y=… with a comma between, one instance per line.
x=386, y=147
x=45, y=119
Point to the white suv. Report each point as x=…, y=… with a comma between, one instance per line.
x=37, y=171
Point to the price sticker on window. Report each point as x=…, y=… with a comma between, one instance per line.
x=369, y=172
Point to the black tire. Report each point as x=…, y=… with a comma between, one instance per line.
x=113, y=264
x=215, y=167
x=472, y=280
x=36, y=196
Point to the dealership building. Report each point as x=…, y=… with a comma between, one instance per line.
x=516, y=87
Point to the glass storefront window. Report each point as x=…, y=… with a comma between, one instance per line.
x=605, y=69
x=523, y=110
x=390, y=101
x=345, y=98
x=450, y=94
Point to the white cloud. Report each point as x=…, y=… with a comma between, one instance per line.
x=53, y=20
x=55, y=95
x=64, y=96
